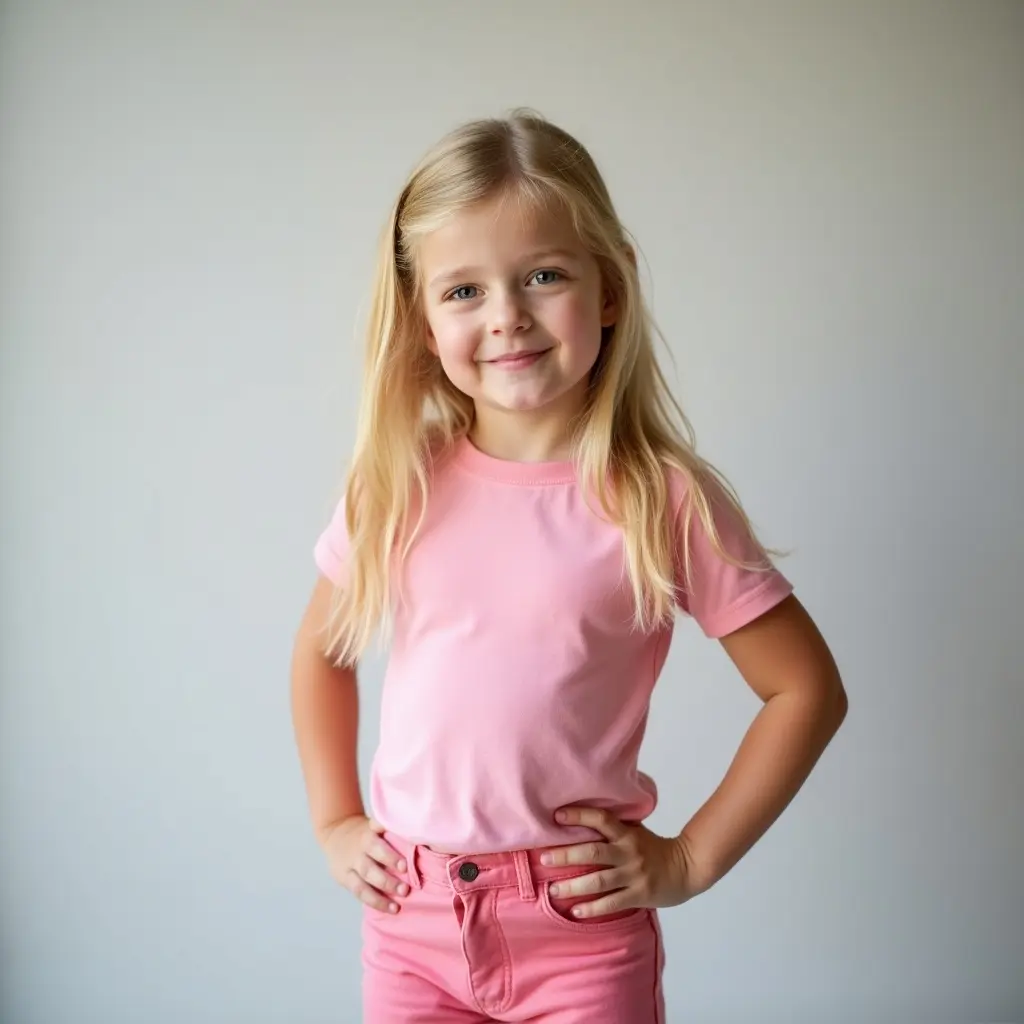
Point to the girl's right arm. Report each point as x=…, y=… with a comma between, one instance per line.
x=325, y=715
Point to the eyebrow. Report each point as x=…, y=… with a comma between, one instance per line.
x=542, y=255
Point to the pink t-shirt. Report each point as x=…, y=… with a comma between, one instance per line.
x=516, y=682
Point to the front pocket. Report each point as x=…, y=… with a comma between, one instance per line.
x=560, y=910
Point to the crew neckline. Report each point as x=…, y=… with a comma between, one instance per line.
x=506, y=471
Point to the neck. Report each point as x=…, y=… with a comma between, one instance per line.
x=541, y=436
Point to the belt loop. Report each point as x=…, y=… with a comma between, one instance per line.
x=413, y=871
x=524, y=875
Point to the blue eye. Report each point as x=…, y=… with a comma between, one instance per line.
x=460, y=293
x=546, y=277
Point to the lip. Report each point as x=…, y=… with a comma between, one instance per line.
x=519, y=360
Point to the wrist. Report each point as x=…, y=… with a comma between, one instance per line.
x=324, y=833
x=700, y=871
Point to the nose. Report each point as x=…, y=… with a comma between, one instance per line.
x=508, y=313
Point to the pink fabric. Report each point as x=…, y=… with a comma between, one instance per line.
x=480, y=939
x=516, y=682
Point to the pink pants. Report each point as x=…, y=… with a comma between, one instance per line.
x=480, y=939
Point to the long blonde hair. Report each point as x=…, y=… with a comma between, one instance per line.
x=630, y=433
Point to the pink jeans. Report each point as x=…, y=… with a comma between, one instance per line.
x=480, y=939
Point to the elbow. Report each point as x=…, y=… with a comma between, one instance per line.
x=840, y=704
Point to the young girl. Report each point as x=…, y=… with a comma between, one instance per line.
x=524, y=513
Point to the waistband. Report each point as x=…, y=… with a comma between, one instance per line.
x=519, y=869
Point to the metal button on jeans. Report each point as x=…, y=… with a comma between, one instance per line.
x=468, y=871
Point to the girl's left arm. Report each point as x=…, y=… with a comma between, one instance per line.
x=786, y=662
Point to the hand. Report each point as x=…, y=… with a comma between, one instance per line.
x=359, y=860
x=638, y=868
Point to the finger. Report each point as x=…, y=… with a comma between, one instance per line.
x=366, y=893
x=592, y=884
x=584, y=853
x=614, y=904
x=592, y=817
x=373, y=873
x=384, y=853
x=381, y=850
x=375, y=826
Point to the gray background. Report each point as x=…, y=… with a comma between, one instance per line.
x=830, y=201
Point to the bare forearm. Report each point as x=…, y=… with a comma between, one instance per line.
x=777, y=754
x=325, y=714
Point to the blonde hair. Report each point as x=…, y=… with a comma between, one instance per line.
x=630, y=433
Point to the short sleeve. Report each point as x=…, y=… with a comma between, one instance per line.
x=331, y=550
x=719, y=596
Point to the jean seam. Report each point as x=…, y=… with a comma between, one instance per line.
x=506, y=958
x=657, y=993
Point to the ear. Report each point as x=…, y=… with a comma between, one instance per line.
x=609, y=307
x=431, y=341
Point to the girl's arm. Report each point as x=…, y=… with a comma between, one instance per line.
x=787, y=663
x=325, y=712
x=325, y=715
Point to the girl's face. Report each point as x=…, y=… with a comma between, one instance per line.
x=515, y=306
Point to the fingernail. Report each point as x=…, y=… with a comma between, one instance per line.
x=401, y=865
x=553, y=889
x=403, y=889
x=393, y=908
x=577, y=911
x=562, y=817
x=546, y=858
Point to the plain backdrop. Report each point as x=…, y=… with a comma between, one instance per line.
x=829, y=198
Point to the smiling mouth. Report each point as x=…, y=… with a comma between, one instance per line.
x=515, y=360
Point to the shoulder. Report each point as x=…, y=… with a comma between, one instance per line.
x=726, y=575
x=679, y=483
x=699, y=491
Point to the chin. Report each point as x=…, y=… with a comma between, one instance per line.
x=523, y=404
